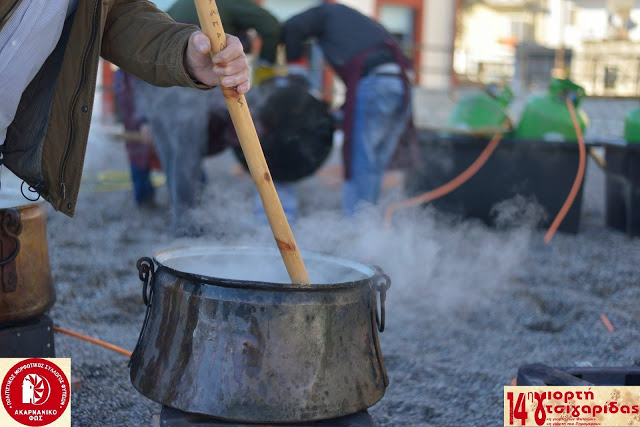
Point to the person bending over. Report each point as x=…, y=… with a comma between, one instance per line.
x=378, y=103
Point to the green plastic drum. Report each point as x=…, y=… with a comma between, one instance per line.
x=547, y=118
x=632, y=126
x=482, y=111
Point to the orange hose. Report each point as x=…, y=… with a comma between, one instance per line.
x=577, y=183
x=607, y=322
x=449, y=186
x=93, y=340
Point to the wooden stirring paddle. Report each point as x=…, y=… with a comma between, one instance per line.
x=212, y=26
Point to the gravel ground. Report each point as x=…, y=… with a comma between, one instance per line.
x=468, y=304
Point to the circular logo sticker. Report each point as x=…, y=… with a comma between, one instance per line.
x=35, y=392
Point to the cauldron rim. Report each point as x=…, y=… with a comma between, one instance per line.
x=160, y=258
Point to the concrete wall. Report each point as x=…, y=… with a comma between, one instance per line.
x=368, y=7
x=438, y=41
x=482, y=50
x=584, y=20
x=437, y=22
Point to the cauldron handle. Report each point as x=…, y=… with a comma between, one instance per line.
x=146, y=273
x=382, y=283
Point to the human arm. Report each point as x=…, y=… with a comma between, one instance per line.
x=148, y=43
x=298, y=29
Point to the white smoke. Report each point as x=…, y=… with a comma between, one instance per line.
x=432, y=259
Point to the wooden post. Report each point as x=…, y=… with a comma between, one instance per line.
x=212, y=26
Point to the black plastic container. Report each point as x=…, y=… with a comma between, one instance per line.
x=533, y=169
x=539, y=375
x=623, y=187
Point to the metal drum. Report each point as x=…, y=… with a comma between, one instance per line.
x=26, y=285
x=260, y=349
x=294, y=126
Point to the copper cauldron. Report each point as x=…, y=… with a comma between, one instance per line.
x=26, y=285
x=260, y=349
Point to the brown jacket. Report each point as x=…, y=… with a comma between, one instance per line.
x=46, y=142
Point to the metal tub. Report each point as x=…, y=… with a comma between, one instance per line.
x=260, y=351
x=26, y=284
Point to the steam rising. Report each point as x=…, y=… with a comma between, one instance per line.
x=433, y=260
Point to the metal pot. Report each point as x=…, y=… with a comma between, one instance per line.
x=259, y=350
x=294, y=126
x=26, y=285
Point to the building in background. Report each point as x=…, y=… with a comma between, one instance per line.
x=458, y=42
x=424, y=28
x=605, y=35
x=520, y=41
x=486, y=39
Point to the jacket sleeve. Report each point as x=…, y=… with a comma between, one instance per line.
x=146, y=42
x=299, y=28
x=248, y=15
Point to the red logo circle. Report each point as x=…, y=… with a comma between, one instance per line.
x=35, y=392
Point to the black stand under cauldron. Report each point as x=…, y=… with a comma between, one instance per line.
x=29, y=338
x=543, y=171
x=170, y=417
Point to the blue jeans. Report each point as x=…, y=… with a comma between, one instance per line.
x=381, y=116
x=288, y=198
x=179, y=120
x=142, y=188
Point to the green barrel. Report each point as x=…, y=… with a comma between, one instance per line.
x=546, y=117
x=483, y=111
x=632, y=126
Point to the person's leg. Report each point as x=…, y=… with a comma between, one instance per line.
x=379, y=119
x=353, y=187
x=149, y=190
x=151, y=102
x=187, y=174
x=190, y=137
x=167, y=133
x=393, y=114
x=365, y=178
x=164, y=149
x=142, y=188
